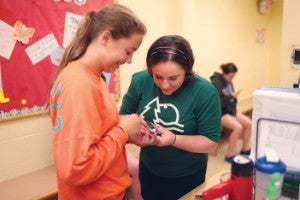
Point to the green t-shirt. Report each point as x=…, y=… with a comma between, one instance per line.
x=194, y=109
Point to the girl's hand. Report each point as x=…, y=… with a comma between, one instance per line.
x=166, y=138
x=145, y=137
x=131, y=123
x=236, y=93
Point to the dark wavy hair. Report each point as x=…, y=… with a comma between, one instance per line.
x=229, y=68
x=172, y=48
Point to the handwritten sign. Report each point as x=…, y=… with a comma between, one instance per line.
x=71, y=25
x=7, y=42
x=42, y=48
x=282, y=136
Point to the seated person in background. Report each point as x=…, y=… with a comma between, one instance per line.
x=232, y=119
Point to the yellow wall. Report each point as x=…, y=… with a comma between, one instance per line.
x=290, y=37
x=25, y=146
x=219, y=31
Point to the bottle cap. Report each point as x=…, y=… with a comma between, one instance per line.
x=242, y=166
x=266, y=167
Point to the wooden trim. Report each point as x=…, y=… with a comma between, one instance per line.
x=22, y=116
x=47, y=196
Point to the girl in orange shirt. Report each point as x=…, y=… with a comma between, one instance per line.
x=88, y=134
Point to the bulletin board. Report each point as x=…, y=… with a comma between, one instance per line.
x=33, y=36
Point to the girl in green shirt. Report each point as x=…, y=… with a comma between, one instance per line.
x=185, y=109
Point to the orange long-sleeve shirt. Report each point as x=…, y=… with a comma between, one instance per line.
x=88, y=148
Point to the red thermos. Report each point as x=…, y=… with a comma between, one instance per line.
x=240, y=184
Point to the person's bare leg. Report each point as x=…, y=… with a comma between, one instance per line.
x=133, y=169
x=229, y=122
x=246, y=136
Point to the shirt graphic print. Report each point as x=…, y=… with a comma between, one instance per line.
x=156, y=108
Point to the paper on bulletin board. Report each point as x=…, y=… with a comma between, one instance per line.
x=41, y=49
x=71, y=25
x=7, y=43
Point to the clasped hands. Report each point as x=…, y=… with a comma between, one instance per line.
x=142, y=135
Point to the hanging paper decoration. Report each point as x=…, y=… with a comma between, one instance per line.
x=260, y=35
x=80, y=2
x=265, y=6
x=7, y=42
x=22, y=33
x=56, y=56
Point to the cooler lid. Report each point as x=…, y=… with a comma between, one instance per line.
x=264, y=166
